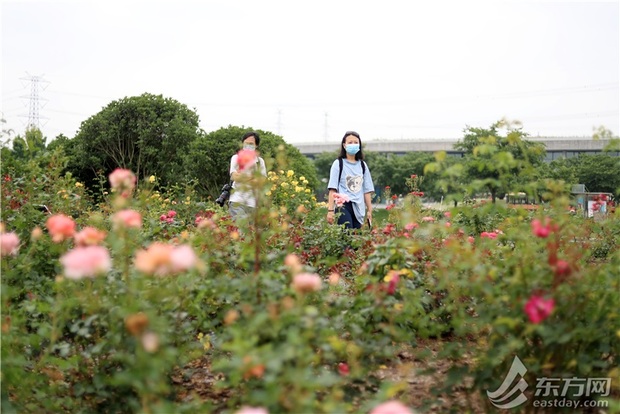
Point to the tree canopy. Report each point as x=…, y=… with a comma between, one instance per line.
x=500, y=163
x=148, y=134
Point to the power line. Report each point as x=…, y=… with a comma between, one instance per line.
x=594, y=88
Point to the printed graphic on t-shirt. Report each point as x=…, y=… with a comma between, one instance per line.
x=354, y=183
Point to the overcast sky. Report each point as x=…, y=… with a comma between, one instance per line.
x=311, y=70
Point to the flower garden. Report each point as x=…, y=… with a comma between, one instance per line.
x=152, y=301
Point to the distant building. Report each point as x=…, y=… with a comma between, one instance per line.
x=557, y=147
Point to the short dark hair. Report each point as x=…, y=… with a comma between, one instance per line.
x=251, y=134
x=343, y=152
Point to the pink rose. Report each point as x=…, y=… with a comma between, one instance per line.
x=340, y=199
x=246, y=158
x=428, y=219
x=122, y=180
x=306, y=282
x=394, y=279
x=9, y=244
x=293, y=262
x=150, y=342
x=538, y=308
x=391, y=407
x=89, y=236
x=36, y=233
x=162, y=259
x=562, y=268
x=60, y=227
x=155, y=259
x=183, y=258
x=88, y=261
x=127, y=218
x=541, y=230
x=252, y=410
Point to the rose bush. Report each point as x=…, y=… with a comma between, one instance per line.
x=103, y=302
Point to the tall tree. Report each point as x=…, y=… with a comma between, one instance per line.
x=449, y=179
x=148, y=134
x=600, y=172
x=29, y=145
x=500, y=163
x=393, y=170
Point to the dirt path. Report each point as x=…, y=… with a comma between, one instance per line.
x=197, y=379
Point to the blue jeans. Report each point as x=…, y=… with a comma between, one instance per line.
x=347, y=216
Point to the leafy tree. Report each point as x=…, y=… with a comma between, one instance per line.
x=393, y=170
x=148, y=134
x=500, y=163
x=28, y=155
x=449, y=179
x=209, y=156
x=599, y=172
x=323, y=163
x=561, y=169
x=61, y=141
x=28, y=146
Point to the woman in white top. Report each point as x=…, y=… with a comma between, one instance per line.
x=242, y=199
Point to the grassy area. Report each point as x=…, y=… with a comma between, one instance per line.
x=380, y=216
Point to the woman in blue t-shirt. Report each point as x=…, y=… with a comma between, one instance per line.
x=350, y=185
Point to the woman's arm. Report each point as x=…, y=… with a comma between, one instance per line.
x=331, y=206
x=234, y=168
x=368, y=202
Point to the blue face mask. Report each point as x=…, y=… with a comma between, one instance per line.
x=352, y=148
x=249, y=147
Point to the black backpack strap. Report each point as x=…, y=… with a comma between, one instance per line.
x=339, y=174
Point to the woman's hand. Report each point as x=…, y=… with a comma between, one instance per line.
x=330, y=217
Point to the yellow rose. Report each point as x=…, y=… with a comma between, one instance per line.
x=152, y=179
x=290, y=173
